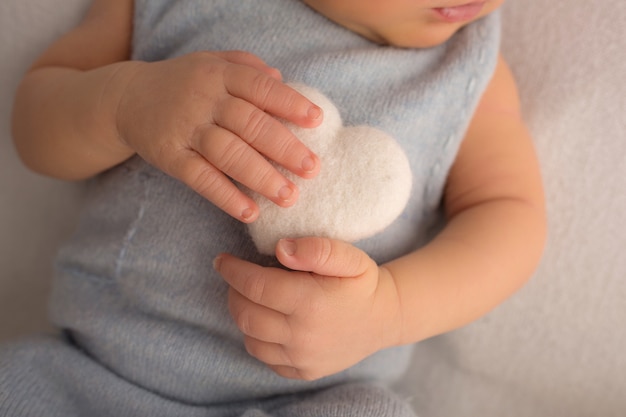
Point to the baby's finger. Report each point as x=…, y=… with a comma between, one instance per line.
x=267, y=135
x=257, y=321
x=228, y=153
x=291, y=372
x=213, y=185
x=272, y=96
x=273, y=288
x=272, y=354
x=251, y=60
x=323, y=256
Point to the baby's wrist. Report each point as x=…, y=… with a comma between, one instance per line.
x=116, y=97
x=392, y=322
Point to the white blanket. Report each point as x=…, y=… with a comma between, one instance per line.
x=554, y=349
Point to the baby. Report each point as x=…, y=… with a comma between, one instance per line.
x=166, y=305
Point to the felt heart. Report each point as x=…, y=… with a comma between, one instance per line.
x=363, y=186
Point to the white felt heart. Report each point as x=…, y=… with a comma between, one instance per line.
x=363, y=186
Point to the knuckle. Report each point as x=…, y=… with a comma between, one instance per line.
x=295, y=303
x=299, y=351
x=316, y=306
x=207, y=181
x=168, y=154
x=213, y=185
x=263, y=180
x=233, y=157
x=254, y=289
x=284, y=145
x=324, y=251
x=288, y=99
x=202, y=64
x=256, y=126
x=288, y=144
x=263, y=89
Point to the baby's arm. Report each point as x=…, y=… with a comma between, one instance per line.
x=84, y=107
x=496, y=226
x=343, y=307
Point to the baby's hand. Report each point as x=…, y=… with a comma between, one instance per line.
x=207, y=117
x=336, y=309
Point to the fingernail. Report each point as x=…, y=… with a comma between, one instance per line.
x=276, y=73
x=285, y=193
x=308, y=164
x=315, y=112
x=247, y=214
x=288, y=246
x=217, y=262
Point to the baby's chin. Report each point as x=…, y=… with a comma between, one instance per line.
x=416, y=39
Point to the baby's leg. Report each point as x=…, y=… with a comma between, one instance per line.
x=49, y=377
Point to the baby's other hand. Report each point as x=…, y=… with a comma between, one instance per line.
x=336, y=308
x=206, y=117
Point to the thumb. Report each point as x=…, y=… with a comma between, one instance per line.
x=323, y=256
